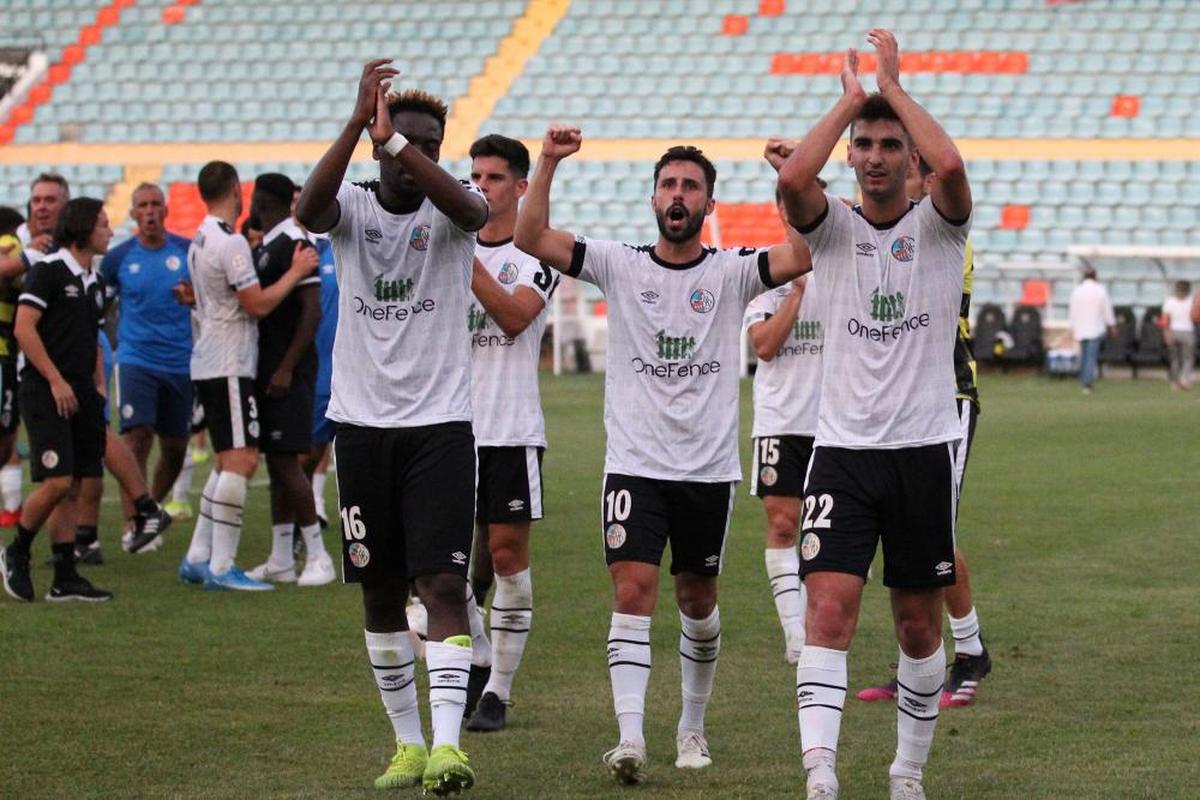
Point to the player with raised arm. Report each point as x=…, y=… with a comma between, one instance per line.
x=401, y=397
x=785, y=332
x=891, y=275
x=671, y=416
x=229, y=300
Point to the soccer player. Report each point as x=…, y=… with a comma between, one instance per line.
x=62, y=394
x=786, y=334
x=671, y=415
x=12, y=275
x=401, y=397
x=971, y=660
x=316, y=464
x=287, y=374
x=228, y=299
x=154, y=336
x=890, y=275
x=512, y=290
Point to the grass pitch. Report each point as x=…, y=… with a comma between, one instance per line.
x=1079, y=525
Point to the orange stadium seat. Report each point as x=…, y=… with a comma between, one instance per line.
x=749, y=224
x=771, y=8
x=1126, y=105
x=173, y=15
x=957, y=61
x=6, y=134
x=735, y=25
x=59, y=73
x=72, y=55
x=1035, y=293
x=1014, y=217
x=39, y=94
x=89, y=35
x=108, y=15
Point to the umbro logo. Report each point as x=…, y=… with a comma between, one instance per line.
x=650, y=297
x=943, y=568
x=391, y=678
x=71, y=291
x=516, y=505
x=459, y=557
x=711, y=561
x=373, y=235
x=865, y=248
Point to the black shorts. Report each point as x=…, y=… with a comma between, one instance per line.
x=907, y=497
x=287, y=421
x=231, y=411
x=779, y=465
x=968, y=414
x=58, y=445
x=9, y=405
x=640, y=515
x=510, y=484
x=407, y=500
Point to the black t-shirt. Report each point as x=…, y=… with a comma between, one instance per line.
x=272, y=260
x=72, y=306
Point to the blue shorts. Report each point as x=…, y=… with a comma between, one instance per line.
x=158, y=400
x=322, y=431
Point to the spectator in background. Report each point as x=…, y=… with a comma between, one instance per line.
x=1090, y=314
x=1179, y=333
x=12, y=274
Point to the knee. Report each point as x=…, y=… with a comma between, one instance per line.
x=508, y=557
x=696, y=598
x=441, y=591
x=918, y=636
x=633, y=596
x=383, y=607
x=782, y=527
x=830, y=620
x=57, y=488
x=242, y=461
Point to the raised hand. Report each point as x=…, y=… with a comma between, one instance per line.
x=777, y=151
x=887, y=58
x=376, y=73
x=850, y=83
x=561, y=141
x=381, y=128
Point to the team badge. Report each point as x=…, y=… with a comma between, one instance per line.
x=508, y=272
x=252, y=428
x=173, y=263
x=702, y=301
x=419, y=240
x=768, y=476
x=614, y=535
x=360, y=556
x=810, y=545
x=50, y=459
x=126, y=411
x=903, y=249
x=135, y=268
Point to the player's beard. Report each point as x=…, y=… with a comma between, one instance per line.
x=695, y=224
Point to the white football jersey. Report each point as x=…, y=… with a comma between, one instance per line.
x=404, y=281
x=787, y=388
x=889, y=296
x=220, y=265
x=671, y=388
x=504, y=377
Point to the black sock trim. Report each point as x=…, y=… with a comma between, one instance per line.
x=822, y=705
x=785, y=591
x=701, y=641
x=783, y=575
x=406, y=664
x=518, y=608
x=227, y=505
x=612, y=664
x=511, y=630
x=903, y=710
x=630, y=641
x=822, y=685
x=462, y=689
x=934, y=693
x=450, y=669
x=697, y=660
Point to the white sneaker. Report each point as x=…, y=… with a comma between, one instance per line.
x=318, y=571
x=272, y=573
x=625, y=762
x=905, y=789
x=822, y=791
x=692, y=748
x=794, y=644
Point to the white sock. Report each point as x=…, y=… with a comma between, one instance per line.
x=10, y=486
x=481, y=647
x=313, y=542
x=391, y=659
x=512, y=615
x=966, y=634
x=918, y=691
x=699, y=646
x=449, y=667
x=181, y=491
x=629, y=672
x=783, y=571
x=281, y=545
x=820, y=695
x=200, y=549
x=318, y=486
x=228, y=501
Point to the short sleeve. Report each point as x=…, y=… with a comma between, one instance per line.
x=110, y=267
x=41, y=283
x=946, y=235
x=831, y=229
x=239, y=263
x=761, y=308
x=539, y=277
x=474, y=190
x=593, y=260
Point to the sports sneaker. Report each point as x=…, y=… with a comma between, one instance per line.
x=418, y=618
x=965, y=674
x=625, y=762
x=273, y=573
x=447, y=771
x=14, y=568
x=489, y=714
x=406, y=767
x=76, y=589
x=477, y=680
x=193, y=573
x=89, y=553
x=178, y=510
x=318, y=571
x=873, y=694
x=692, y=749
x=821, y=791
x=9, y=519
x=236, y=580
x=905, y=789
x=148, y=529
x=794, y=644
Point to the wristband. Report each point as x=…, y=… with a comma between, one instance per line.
x=394, y=145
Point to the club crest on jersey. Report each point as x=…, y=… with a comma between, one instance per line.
x=904, y=248
x=810, y=545
x=50, y=459
x=173, y=263
x=360, y=556
x=135, y=268
x=886, y=307
x=768, y=476
x=508, y=272
x=614, y=535
x=419, y=239
x=702, y=301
